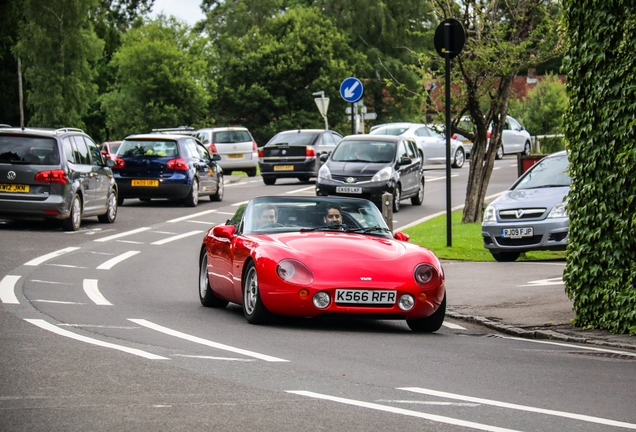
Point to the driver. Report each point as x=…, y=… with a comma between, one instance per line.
x=333, y=215
x=267, y=214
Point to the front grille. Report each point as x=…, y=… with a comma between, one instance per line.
x=525, y=241
x=521, y=214
x=358, y=179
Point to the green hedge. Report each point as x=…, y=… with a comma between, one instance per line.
x=600, y=131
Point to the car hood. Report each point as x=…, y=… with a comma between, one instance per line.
x=525, y=198
x=355, y=168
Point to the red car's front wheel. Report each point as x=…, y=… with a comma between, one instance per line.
x=253, y=308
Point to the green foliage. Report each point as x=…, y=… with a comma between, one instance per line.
x=599, y=127
x=57, y=47
x=162, y=79
x=9, y=96
x=268, y=76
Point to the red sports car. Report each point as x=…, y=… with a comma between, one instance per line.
x=310, y=256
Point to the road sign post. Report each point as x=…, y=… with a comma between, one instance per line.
x=323, y=106
x=351, y=90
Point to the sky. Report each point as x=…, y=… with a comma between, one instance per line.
x=187, y=10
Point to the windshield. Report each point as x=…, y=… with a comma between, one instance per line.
x=28, y=150
x=390, y=130
x=550, y=172
x=267, y=215
x=294, y=138
x=364, y=151
x=148, y=148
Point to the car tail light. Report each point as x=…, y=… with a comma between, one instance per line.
x=254, y=146
x=120, y=163
x=177, y=164
x=55, y=176
x=311, y=152
x=212, y=149
x=454, y=136
x=295, y=272
x=261, y=154
x=426, y=276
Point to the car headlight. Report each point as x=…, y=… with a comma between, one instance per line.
x=425, y=275
x=489, y=214
x=321, y=299
x=295, y=272
x=559, y=211
x=406, y=302
x=324, y=173
x=383, y=175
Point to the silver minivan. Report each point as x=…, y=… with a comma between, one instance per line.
x=235, y=145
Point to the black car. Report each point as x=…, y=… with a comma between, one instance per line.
x=176, y=167
x=367, y=166
x=295, y=154
x=55, y=174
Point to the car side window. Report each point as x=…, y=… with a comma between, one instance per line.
x=410, y=147
x=96, y=155
x=81, y=150
x=423, y=132
x=191, y=148
x=69, y=153
x=514, y=125
x=336, y=138
x=203, y=153
x=328, y=139
x=402, y=152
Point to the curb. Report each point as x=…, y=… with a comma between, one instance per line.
x=537, y=334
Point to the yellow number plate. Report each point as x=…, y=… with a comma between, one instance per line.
x=283, y=168
x=14, y=188
x=234, y=156
x=145, y=183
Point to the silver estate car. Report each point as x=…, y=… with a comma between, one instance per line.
x=532, y=214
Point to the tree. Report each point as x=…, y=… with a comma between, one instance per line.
x=267, y=77
x=57, y=45
x=162, y=79
x=9, y=96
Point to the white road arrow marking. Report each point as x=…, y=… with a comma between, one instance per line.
x=349, y=90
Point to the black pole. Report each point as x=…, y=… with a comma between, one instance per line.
x=353, y=127
x=449, y=235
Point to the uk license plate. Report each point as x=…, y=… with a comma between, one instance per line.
x=348, y=189
x=234, y=156
x=4, y=187
x=516, y=232
x=153, y=183
x=366, y=297
x=283, y=167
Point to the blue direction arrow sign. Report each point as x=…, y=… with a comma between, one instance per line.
x=351, y=89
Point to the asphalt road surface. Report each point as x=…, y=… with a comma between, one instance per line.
x=102, y=329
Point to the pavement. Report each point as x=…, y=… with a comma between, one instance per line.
x=523, y=299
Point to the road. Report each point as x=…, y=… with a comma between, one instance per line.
x=102, y=330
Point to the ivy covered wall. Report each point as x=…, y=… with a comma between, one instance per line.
x=600, y=125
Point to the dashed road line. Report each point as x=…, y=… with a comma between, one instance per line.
x=43, y=258
x=177, y=237
x=114, y=261
x=92, y=291
x=191, y=216
x=120, y=235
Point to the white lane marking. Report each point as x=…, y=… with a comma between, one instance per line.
x=99, y=326
x=214, y=358
x=52, y=328
x=7, y=289
x=164, y=232
x=113, y=261
x=191, y=216
x=429, y=179
x=567, y=345
x=91, y=290
x=226, y=213
x=402, y=411
x=544, y=282
x=203, y=222
x=177, y=237
x=586, y=418
x=57, y=302
x=43, y=258
x=414, y=402
x=453, y=326
x=201, y=341
x=240, y=203
x=49, y=282
x=65, y=265
x=130, y=242
x=124, y=234
x=301, y=190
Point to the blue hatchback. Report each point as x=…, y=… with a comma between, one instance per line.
x=167, y=166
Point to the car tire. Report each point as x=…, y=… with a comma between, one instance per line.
x=459, y=159
x=527, y=148
x=74, y=221
x=193, y=196
x=251, y=172
x=206, y=296
x=500, y=153
x=253, y=308
x=505, y=256
x=397, y=197
x=111, y=208
x=269, y=180
x=304, y=179
x=419, y=198
x=220, y=190
x=431, y=323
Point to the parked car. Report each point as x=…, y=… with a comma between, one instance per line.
x=235, y=145
x=296, y=154
x=514, y=138
x=177, y=167
x=55, y=174
x=109, y=149
x=367, y=166
x=532, y=215
x=297, y=264
x=431, y=143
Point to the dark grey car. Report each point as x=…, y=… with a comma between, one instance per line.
x=55, y=174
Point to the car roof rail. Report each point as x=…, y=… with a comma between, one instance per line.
x=177, y=129
x=62, y=130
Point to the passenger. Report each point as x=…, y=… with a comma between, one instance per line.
x=267, y=214
x=333, y=216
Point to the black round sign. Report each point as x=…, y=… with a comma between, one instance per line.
x=449, y=38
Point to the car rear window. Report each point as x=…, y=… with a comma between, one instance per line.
x=294, y=138
x=28, y=150
x=229, y=137
x=389, y=131
x=148, y=148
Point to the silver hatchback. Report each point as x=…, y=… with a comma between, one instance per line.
x=532, y=214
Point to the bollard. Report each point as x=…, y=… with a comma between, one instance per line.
x=387, y=209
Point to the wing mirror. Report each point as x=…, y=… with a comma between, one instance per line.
x=401, y=236
x=405, y=161
x=324, y=157
x=224, y=231
x=216, y=157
